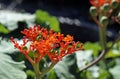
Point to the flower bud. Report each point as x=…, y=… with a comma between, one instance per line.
x=93, y=11
x=105, y=7
x=104, y=20
x=115, y=4
x=39, y=37
x=24, y=48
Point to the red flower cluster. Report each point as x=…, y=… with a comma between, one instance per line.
x=44, y=42
x=99, y=3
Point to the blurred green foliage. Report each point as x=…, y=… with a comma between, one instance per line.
x=30, y=74
x=47, y=19
x=108, y=68
x=3, y=29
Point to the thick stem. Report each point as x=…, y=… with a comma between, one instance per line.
x=102, y=32
x=37, y=71
x=39, y=74
x=102, y=37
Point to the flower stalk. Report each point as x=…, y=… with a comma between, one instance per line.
x=37, y=71
x=102, y=36
x=42, y=43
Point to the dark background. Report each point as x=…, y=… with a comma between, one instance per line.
x=87, y=30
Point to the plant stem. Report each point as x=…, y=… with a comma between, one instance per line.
x=103, y=41
x=37, y=71
x=102, y=32
x=39, y=74
x=102, y=37
x=101, y=56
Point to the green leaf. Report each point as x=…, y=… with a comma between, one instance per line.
x=83, y=58
x=93, y=46
x=31, y=54
x=54, y=24
x=91, y=73
x=7, y=47
x=115, y=71
x=114, y=52
x=45, y=17
x=69, y=59
x=62, y=71
x=52, y=75
x=30, y=74
x=88, y=75
x=3, y=29
x=10, y=69
x=11, y=18
x=104, y=74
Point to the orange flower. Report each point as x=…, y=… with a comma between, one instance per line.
x=44, y=42
x=32, y=33
x=21, y=47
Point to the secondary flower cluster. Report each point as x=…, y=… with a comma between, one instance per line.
x=99, y=3
x=104, y=11
x=43, y=42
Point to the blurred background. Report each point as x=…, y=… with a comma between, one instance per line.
x=67, y=16
x=73, y=16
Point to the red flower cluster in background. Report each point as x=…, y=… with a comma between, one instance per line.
x=44, y=42
x=105, y=9
x=99, y=3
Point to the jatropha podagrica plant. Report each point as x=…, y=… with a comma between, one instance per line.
x=45, y=43
x=104, y=12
